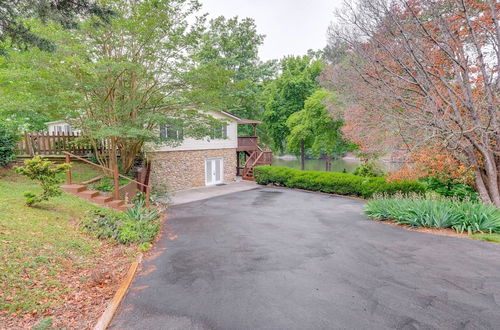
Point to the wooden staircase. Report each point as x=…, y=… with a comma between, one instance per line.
x=256, y=158
x=96, y=197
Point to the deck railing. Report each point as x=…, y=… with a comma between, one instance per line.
x=32, y=144
x=247, y=143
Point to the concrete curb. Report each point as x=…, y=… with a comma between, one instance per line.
x=106, y=317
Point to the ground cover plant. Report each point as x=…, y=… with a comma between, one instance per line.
x=48, y=266
x=332, y=182
x=137, y=225
x=436, y=212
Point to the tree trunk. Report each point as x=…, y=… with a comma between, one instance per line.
x=328, y=163
x=302, y=155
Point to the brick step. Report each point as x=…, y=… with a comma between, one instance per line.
x=88, y=194
x=115, y=203
x=101, y=199
x=96, y=197
x=73, y=188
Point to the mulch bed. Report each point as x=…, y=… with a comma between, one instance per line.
x=435, y=231
x=89, y=292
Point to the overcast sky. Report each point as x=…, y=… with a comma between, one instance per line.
x=291, y=26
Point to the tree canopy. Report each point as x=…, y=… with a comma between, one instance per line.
x=14, y=27
x=428, y=72
x=287, y=94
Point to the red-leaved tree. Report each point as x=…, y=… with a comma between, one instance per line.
x=426, y=73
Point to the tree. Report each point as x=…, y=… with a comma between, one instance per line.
x=32, y=90
x=229, y=68
x=428, y=71
x=287, y=94
x=130, y=74
x=313, y=127
x=14, y=27
x=43, y=171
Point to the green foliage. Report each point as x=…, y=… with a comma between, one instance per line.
x=332, y=182
x=67, y=12
x=287, y=94
x=450, y=188
x=106, y=183
x=8, y=142
x=43, y=171
x=229, y=74
x=417, y=211
x=137, y=225
x=314, y=125
x=368, y=169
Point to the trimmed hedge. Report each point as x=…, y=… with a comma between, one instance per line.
x=333, y=182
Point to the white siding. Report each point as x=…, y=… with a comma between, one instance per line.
x=192, y=144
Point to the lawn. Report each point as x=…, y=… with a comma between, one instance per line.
x=495, y=238
x=45, y=260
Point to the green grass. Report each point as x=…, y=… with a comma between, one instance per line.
x=82, y=172
x=39, y=243
x=495, y=238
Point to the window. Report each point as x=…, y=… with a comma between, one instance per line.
x=170, y=132
x=219, y=133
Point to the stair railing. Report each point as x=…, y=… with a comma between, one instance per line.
x=249, y=161
x=114, y=172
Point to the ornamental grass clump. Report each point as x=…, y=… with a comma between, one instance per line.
x=435, y=212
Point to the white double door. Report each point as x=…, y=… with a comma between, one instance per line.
x=213, y=171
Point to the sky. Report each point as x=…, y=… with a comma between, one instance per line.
x=291, y=26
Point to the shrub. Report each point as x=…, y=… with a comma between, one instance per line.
x=43, y=171
x=417, y=211
x=450, y=188
x=368, y=169
x=137, y=225
x=8, y=142
x=333, y=182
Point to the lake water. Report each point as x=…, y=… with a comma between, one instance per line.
x=337, y=165
x=318, y=164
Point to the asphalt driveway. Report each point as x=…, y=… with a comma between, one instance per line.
x=275, y=258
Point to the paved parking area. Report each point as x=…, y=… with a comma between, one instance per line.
x=273, y=258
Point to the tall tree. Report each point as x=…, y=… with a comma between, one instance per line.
x=428, y=70
x=229, y=68
x=68, y=13
x=287, y=94
x=130, y=74
x=315, y=129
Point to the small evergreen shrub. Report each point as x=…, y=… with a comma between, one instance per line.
x=43, y=171
x=333, y=182
x=8, y=141
x=368, y=169
x=418, y=211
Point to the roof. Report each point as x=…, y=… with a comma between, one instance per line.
x=241, y=121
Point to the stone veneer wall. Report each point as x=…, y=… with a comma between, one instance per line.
x=179, y=170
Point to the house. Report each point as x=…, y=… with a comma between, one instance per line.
x=214, y=160
x=60, y=127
